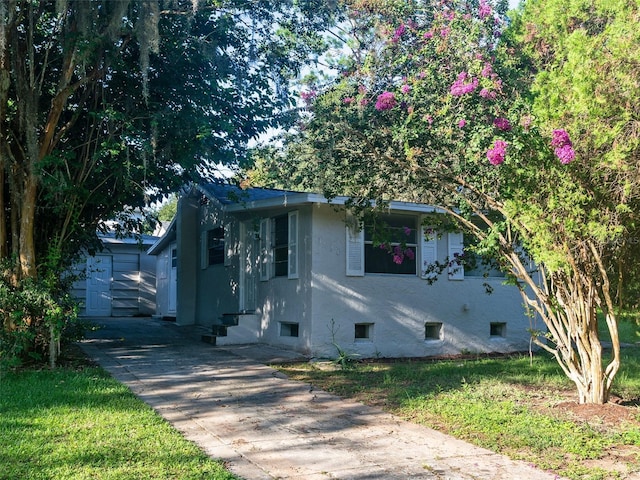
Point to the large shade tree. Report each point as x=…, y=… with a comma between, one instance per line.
x=446, y=108
x=106, y=105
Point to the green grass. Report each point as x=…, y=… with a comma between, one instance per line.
x=628, y=328
x=509, y=405
x=81, y=424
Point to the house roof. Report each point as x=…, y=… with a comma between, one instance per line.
x=112, y=238
x=168, y=237
x=231, y=194
x=235, y=199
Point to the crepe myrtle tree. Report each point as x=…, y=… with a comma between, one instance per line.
x=439, y=111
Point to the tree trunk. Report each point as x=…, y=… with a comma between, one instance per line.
x=27, y=255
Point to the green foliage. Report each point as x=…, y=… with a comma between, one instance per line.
x=454, y=105
x=139, y=98
x=81, y=424
x=35, y=317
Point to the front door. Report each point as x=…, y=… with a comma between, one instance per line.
x=248, y=267
x=99, y=286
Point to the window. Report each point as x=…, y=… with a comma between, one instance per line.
x=498, y=329
x=215, y=246
x=288, y=329
x=396, y=232
x=212, y=247
x=433, y=331
x=363, y=331
x=279, y=246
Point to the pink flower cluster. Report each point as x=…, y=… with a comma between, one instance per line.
x=309, y=96
x=497, y=153
x=563, y=146
x=398, y=33
x=386, y=101
x=461, y=86
x=502, y=123
x=484, y=9
x=399, y=253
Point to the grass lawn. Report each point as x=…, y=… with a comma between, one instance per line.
x=519, y=406
x=79, y=423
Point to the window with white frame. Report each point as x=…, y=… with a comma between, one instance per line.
x=279, y=246
x=212, y=242
x=390, y=244
x=399, y=244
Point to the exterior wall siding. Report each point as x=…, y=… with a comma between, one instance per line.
x=398, y=307
x=133, y=281
x=396, y=315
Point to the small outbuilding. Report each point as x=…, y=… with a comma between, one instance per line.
x=120, y=280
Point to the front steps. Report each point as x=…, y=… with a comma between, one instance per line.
x=234, y=329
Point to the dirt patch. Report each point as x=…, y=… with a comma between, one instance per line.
x=610, y=414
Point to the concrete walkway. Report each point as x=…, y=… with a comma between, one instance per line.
x=265, y=426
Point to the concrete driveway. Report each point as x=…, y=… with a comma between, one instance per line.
x=265, y=426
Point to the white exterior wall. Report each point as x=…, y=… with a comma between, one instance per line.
x=288, y=300
x=398, y=306
x=279, y=299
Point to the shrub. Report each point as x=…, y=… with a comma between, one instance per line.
x=36, y=317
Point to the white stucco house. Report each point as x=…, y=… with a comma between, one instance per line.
x=291, y=269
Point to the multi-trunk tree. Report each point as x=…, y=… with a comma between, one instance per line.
x=450, y=107
x=106, y=105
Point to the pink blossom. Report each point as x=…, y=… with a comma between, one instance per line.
x=386, y=101
x=308, y=96
x=407, y=231
x=398, y=33
x=563, y=146
x=428, y=35
x=362, y=89
x=486, y=93
x=398, y=259
x=428, y=118
x=484, y=10
x=497, y=153
x=566, y=154
x=409, y=254
x=502, y=123
x=560, y=138
x=461, y=86
x=444, y=32
x=487, y=70
x=347, y=100
x=405, y=88
x=462, y=123
x=364, y=101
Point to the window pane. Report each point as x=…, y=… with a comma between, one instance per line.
x=281, y=245
x=215, y=245
x=378, y=260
